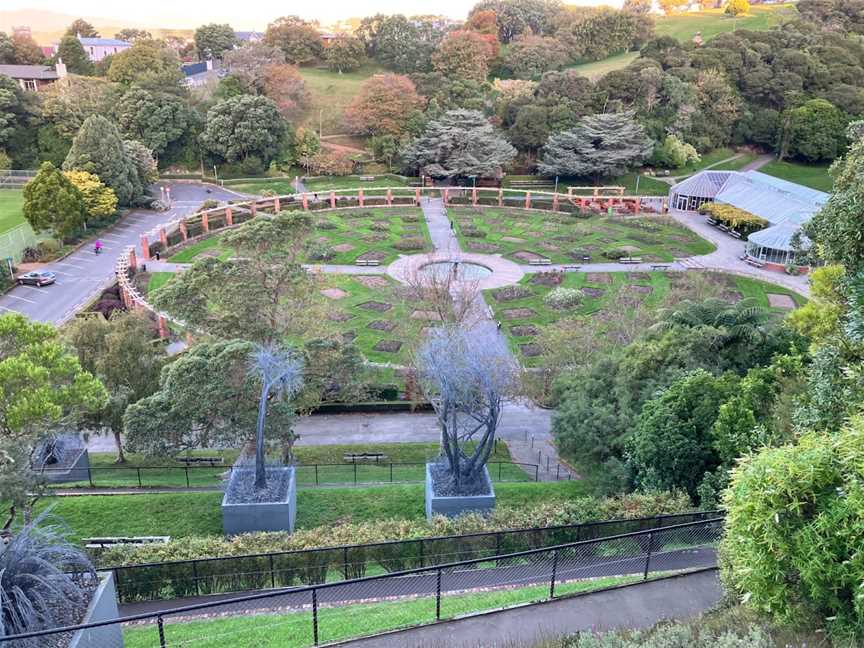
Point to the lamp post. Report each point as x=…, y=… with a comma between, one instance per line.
x=556, y=184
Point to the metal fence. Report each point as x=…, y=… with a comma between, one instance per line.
x=15, y=178
x=329, y=612
x=14, y=241
x=348, y=474
x=207, y=576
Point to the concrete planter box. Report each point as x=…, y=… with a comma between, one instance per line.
x=456, y=505
x=269, y=516
x=78, y=471
x=103, y=607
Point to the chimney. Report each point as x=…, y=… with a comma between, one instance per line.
x=60, y=68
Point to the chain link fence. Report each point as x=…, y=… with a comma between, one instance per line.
x=328, y=612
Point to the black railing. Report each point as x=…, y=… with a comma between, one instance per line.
x=327, y=612
x=206, y=576
x=210, y=476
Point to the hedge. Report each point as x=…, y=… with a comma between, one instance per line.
x=737, y=219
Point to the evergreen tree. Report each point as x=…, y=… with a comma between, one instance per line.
x=98, y=148
x=72, y=53
x=599, y=145
x=460, y=143
x=80, y=27
x=100, y=201
x=52, y=203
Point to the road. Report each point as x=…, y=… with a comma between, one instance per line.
x=533, y=572
x=83, y=274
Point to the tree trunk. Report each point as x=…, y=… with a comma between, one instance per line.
x=260, y=472
x=121, y=458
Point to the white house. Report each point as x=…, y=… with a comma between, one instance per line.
x=98, y=48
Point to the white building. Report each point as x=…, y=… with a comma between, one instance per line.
x=98, y=48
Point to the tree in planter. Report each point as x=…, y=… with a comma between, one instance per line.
x=599, y=145
x=466, y=374
x=122, y=352
x=53, y=203
x=281, y=374
x=38, y=584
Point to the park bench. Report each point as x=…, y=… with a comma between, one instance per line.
x=711, y=221
x=754, y=262
x=723, y=228
x=367, y=262
x=201, y=461
x=659, y=266
x=109, y=541
x=540, y=262
x=630, y=260
x=367, y=178
x=354, y=457
x=571, y=268
x=734, y=234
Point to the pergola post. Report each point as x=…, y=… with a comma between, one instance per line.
x=163, y=328
x=417, y=195
x=332, y=200
x=555, y=202
x=276, y=205
x=133, y=260
x=163, y=238
x=446, y=197
x=184, y=231
x=305, y=202
x=229, y=216
x=253, y=208
x=389, y=197
x=500, y=196
x=205, y=222
x=527, y=200
x=474, y=196
x=360, y=199
x=145, y=248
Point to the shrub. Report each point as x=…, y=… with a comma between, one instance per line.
x=325, y=224
x=410, y=243
x=563, y=298
x=30, y=254
x=208, y=204
x=321, y=252
x=472, y=231
x=410, y=218
x=739, y=220
x=614, y=255
x=38, y=584
x=380, y=226
x=793, y=543
x=675, y=636
x=268, y=193
x=48, y=248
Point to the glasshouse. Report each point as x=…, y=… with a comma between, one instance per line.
x=780, y=206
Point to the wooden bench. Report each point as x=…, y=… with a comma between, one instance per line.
x=197, y=461
x=723, y=228
x=734, y=234
x=571, y=268
x=754, y=262
x=711, y=221
x=367, y=262
x=539, y=262
x=586, y=258
x=367, y=178
x=659, y=266
x=109, y=541
x=354, y=457
x=630, y=260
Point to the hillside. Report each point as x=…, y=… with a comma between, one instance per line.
x=714, y=21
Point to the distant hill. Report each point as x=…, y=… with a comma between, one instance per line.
x=48, y=26
x=713, y=21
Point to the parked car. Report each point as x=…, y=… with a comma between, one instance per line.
x=37, y=278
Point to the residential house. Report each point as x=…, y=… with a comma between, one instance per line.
x=34, y=77
x=98, y=48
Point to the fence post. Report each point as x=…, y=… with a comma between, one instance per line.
x=554, y=574
x=498, y=549
x=421, y=554
x=547, y=463
x=90, y=476
x=345, y=562
x=316, y=475
x=272, y=572
x=355, y=473
x=139, y=476
x=391, y=472
x=162, y=643
x=558, y=473
x=648, y=555
x=186, y=469
x=438, y=596
x=315, y=616
x=536, y=473
x=499, y=471
x=195, y=577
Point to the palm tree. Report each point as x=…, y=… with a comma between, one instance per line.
x=743, y=321
x=281, y=374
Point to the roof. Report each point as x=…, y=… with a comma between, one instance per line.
x=705, y=184
x=248, y=35
x=775, y=200
x=29, y=71
x=106, y=42
x=190, y=69
x=779, y=237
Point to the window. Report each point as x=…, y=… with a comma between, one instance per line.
x=30, y=84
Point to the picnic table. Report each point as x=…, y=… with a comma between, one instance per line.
x=354, y=457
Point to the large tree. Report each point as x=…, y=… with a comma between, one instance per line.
x=42, y=386
x=528, y=57
x=80, y=27
x=298, y=39
x=53, y=203
x=460, y=143
x=265, y=278
x=244, y=126
x=600, y=145
x=156, y=119
x=515, y=17
x=149, y=64
x=213, y=40
x=74, y=57
x=27, y=51
x=19, y=117
x=132, y=34
x=250, y=62
x=385, y=105
x=100, y=201
x=285, y=86
x=463, y=55
x=123, y=353
x=98, y=148
x=816, y=131
x=67, y=105
x=344, y=54
x=398, y=45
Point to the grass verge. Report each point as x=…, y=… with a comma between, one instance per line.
x=814, y=176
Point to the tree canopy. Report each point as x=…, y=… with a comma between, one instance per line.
x=53, y=203
x=213, y=40
x=244, y=126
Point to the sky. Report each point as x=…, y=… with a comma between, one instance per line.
x=243, y=15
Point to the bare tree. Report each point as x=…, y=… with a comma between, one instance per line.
x=281, y=374
x=466, y=373
x=452, y=297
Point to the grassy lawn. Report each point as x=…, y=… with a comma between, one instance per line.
x=165, y=472
x=524, y=318
x=184, y=514
x=11, y=202
x=596, y=69
x=345, y=235
x=647, y=186
x=713, y=22
x=331, y=93
x=352, y=182
x=737, y=164
x=706, y=160
x=338, y=622
x=814, y=176
x=157, y=280
x=519, y=234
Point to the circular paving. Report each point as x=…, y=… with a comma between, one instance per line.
x=484, y=270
